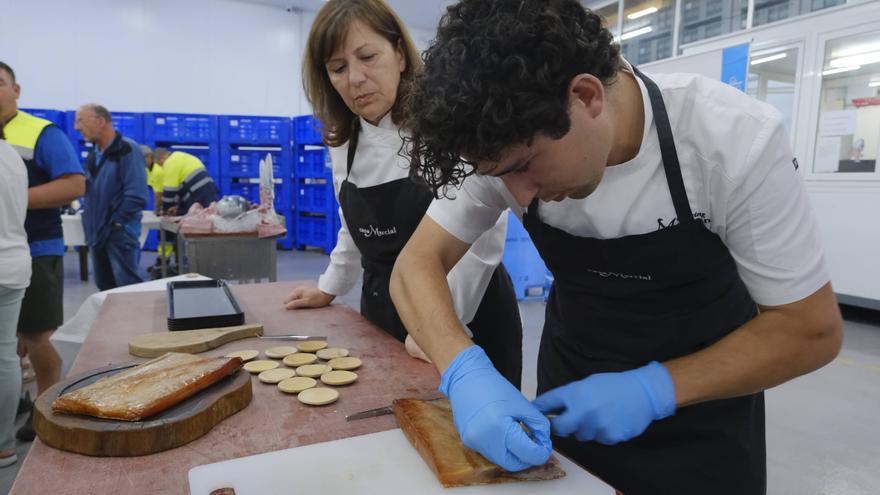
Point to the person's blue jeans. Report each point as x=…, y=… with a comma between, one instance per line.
x=10, y=366
x=116, y=261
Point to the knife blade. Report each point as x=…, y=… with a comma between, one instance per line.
x=294, y=337
x=369, y=413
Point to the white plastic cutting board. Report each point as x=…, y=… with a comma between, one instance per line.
x=382, y=463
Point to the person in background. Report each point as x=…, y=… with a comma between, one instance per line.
x=55, y=178
x=15, y=275
x=154, y=176
x=359, y=66
x=185, y=181
x=688, y=265
x=116, y=195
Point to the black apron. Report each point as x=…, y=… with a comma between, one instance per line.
x=617, y=304
x=381, y=220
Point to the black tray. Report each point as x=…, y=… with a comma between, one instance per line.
x=202, y=304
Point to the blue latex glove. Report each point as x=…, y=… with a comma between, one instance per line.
x=487, y=411
x=610, y=407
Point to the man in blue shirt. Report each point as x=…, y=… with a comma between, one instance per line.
x=115, y=198
x=55, y=179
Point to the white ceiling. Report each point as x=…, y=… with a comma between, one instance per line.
x=419, y=14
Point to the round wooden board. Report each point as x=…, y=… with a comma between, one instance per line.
x=176, y=426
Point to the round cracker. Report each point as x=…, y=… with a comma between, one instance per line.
x=296, y=384
x=299, y=359
x=260, y=366
x=276, y=375
x=311, y=345
x=332, y=353
x=318, y=396
x=313, y=370
x=345, y=363
x=280, y=351
x=245, y=356
x=338, y=377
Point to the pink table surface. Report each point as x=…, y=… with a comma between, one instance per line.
x=272, y=421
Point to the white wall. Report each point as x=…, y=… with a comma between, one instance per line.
x=846, y=205
x=188, y=56
x=194, y=56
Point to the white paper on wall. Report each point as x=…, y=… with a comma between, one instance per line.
x=827, y=154
x=838, y=123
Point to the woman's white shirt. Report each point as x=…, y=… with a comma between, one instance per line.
x=15, y=268
x=377, y=161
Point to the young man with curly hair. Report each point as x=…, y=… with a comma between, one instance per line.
x=689, y=274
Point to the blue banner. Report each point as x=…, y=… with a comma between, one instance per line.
x=735, y=66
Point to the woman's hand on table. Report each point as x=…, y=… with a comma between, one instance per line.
x=307, y=297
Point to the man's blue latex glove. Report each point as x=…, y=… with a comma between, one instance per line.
x=610, y=407
x=487, y=411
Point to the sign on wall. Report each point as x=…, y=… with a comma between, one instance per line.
x=735, y=65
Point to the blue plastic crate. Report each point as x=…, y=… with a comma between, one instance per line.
x=242, y=129
x=319, y=231
x=287, y=242
x=57, y=117
x=238, y=162
x=524, y=263
x=180, y=127
x=315, y=196
x=311, y=163
x=306, y=130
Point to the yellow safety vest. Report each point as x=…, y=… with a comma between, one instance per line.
x=23, y=131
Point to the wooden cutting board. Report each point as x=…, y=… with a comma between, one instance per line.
x=190, y=341
x=176, y=426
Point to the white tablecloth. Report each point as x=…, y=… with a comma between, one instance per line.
x=75, y=236
x=77, y=328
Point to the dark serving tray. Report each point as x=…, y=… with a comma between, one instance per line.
x=202, y=304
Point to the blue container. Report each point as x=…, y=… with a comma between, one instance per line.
x=311, y=163
x=525, y=265
x=238, y=162
x=307, y=130
x=180, y=128
x=57, y=117
x=315, y=196
x=318, y=231
x=242, y=129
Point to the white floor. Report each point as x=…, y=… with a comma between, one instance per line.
x=823, y=433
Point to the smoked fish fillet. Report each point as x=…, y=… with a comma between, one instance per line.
x=146, y=389
x=428, y=426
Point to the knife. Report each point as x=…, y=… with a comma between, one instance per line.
x=294, y=337
x=370, y=413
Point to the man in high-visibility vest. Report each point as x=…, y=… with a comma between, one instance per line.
x=185, y=181
x=55, y=178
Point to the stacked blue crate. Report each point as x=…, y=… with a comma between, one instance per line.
x=129, y=124
x=191, y=133
x=57, y=117
x=316, y=212
x=244, y=141
x=524, y=263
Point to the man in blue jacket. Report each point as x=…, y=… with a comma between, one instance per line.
x=116, y=194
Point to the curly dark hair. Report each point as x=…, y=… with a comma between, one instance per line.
x=497, y=74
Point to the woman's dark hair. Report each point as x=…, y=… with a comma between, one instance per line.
x=496, y=75
x=326, y=35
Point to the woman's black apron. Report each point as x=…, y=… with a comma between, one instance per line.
x=617, y=304
x=381, y=220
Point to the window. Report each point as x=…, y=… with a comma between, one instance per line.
x=848, y=133
x=647, y=30
x=701, y=19
x=609, y=13
x=767, y=11
x=773, y=79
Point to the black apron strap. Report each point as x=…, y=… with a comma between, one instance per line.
x=667, y=151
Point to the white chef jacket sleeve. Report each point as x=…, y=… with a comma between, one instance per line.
x=473, y=208
x=345, y=268
x=470, y=277
x=771, y=231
